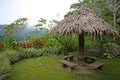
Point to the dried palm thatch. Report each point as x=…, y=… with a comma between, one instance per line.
x=83, y=21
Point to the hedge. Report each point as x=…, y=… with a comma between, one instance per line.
x=9, y=57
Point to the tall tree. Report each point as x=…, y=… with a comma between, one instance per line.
x=17, y=25
x=45, y=25
x=114, y=5
x=107, y=9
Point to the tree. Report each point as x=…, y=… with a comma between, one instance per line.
x=114, y=6
x=16, y=26
x=13, y=28
x=97, y=5
x=45, y=25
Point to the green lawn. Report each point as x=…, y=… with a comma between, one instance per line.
x=49, y=68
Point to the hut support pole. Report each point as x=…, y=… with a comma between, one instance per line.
x=81, y=48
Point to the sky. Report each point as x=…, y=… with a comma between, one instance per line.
x=11, y=10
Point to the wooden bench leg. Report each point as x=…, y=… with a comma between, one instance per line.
x=71, y=68
x=67, y=64
x=64, y=65
x=100, y=68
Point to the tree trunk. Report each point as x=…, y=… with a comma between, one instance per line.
x=81, y=44
x=80, y=49
x=114, y=12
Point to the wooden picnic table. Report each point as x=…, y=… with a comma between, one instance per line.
x=69, y=60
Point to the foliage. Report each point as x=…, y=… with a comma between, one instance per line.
x=107, y=15
x=8, y=42
x=87, y=3
x=10, y=32
x=91, y=46
x=91, y=42
x=108, y=55
x=65, y=44
x=12, y=55
x=42, y=22
x=52, y=50
x=15, y=55
x=45, y=25
x=4, y=67
x=51, y=42
x=25, y=45
x=30, y=52
x=89, y=60
x=100, y=7
x=18, y=25
x=37, y=42
x=114, y=6
x=69, y=43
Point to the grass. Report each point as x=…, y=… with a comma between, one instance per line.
x=49, y=68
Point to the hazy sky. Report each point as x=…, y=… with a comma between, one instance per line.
x=11, y=10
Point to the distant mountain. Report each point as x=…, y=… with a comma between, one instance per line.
x=27, y=31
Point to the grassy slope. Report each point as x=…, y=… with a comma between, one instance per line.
x=50, y=69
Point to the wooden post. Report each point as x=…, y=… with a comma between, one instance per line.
x=81, y=48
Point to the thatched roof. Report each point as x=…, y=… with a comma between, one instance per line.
x=83, y=20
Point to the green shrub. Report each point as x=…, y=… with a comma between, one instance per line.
x=57, y=51
x=4, y=67
x=38, y=52
x=52, y=51
x=12, y=55
x=26, y=53
x=108, y=55
x=69, y=43
x=30, y=52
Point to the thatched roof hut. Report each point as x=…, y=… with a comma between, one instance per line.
x=83, y=21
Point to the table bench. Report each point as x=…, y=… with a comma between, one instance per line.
x=68, y=64
x=96, y=65
x=91, y=57
x=68, y=57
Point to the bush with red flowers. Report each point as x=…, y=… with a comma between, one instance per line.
x=38, y=42
x=25, y=45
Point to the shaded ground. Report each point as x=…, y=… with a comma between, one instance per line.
x=49, y=68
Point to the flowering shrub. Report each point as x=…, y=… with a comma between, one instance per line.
x=38, y=42
x=25, y=45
